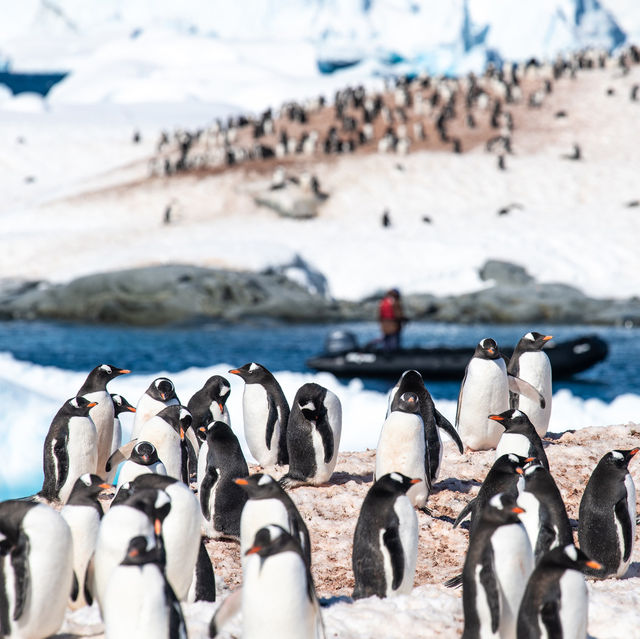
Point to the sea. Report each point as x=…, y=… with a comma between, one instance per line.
x=44, y=363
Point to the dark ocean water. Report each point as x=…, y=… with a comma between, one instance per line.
x=285, y=347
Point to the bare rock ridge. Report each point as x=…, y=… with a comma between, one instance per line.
x=158, y=295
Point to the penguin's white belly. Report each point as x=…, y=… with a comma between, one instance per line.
x=334, y=418
x=485, y=392
x=258, y=513
x=84, y=523
x=483, y=609
x=219, y=416
x=323, y=471
x=401, y=449
x=82, y=449
x=274, y=599
x=135, y=604
x=409, y=539
x=116, y=440
x=50, y=567
x=574, y=605
x=146, y=409
x=631, y=506
x=513, y=562
x=255, y=408
x=513, y=443
x=535, y=368
x=130, y=470
x=167, y=443
x=202, y=463
x=102, y=416
x=530, y=517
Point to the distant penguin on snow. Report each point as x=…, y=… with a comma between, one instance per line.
x=519, y=437
x=70, y=449
x=313, y=436
x=266, y=414
x=607, y=515
x=385, y=543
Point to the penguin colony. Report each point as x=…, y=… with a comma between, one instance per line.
x=144, y=556
x=411, y=113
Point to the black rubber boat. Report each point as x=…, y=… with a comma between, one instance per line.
x=344, y=358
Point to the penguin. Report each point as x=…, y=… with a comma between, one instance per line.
x=135, y=516
x=180, y=534
x=607, y=514
x=120, y=406
x=555, y=602
x=166, y=431
x=70, y=449
x=144, y=459
x=496, y=569
x=411, y=381
x=94, y=389
x=485, y=391
x=160, y=394
x=401, y=447
x=268, y=503
x=530, y=363
x=83, y=514
x=313, y=436
x=519, y=437
x=545, y=516
x=36, y=569
x=222, y=500
x=139, y=601
x=278, y=594
x=209, y=403
x=266, y=414
x=385, y=543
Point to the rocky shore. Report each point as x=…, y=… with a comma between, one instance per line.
x=160, y=295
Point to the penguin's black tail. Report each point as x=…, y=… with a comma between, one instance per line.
x=463, y=514
x=454, y=582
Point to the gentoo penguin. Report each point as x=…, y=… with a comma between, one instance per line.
x=266, y=414
x=180, y=530
x=135, y=516
x=545, y=518
x=519, y=437
x=120, y=406
x=411, y=382
x=607, y=515
x=401, y=447
x=278, y=595
x=385, y=543
x=94, y=390
x=83, y=514
x=221, y=499
x=36, y=569
x=144, y=459
x=209, y=403
x=160, y=394
x=139, y=601
x=313, y=436
x=166, y=431
x=555, y=602
x=70, y=448
x=496, y=569
x=531, y=364
x=268, y=503
x=485, y=391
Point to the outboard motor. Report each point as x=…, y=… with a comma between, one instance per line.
x=339, y=341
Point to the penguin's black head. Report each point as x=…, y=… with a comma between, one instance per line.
x=260, y=486
x=310, y=409
x=78, y=406
x=142, y=550
x=395, y=483
x=186, y=418
x=408, y=403
x=510, y=464
x=173, y=415
x=100, y=376
x=162, y=389
x=619, y=459
x=121, y=405
x=410, y=381
x=271, y=540
x=569, y=557
x=533, y=341
x=511, y=419
x=251, y=373
x=88, y=486
x=220, y=432
x=487, y=349
x=144, y=453
x=154, y=503
x=501, y=509
x=218, y=389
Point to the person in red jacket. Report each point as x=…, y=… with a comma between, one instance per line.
x=392, y=319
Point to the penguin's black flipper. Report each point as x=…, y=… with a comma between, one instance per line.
x=459, y=404
x=464, y=512
x=19, y=562
x=271, y=422
x=490, y=585
x=391, y=539
x=229, y=607
x=517, y=385
x=122, y=454
x=638, y=520
x=75, y=587
x=88, y=580
x=454, y=582
x=550, y=615
x=204, y=576
x=177, y=627
x=327, y=437
x=443, y=423
x=300, y=532
x=622, y=516
x=62, y=457
x=206, y=487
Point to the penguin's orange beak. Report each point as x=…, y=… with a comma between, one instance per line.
x=253, y=550
x=133, y=552
x=634, y=451
x=241, y=481
x=124, y=371
x=519, y=471
x=235, y=371
x=181, y=433
x=416, y=480
x=131, y=408
x=202, y=430
x=496, y=418
x=92, y=404
x=546, y=338
x=594, y=564
x=491, y=351
x=530, y=459
x=157, y=526
x=105, y=486
x=517, y=510
x=163, y=396
x=221, y=407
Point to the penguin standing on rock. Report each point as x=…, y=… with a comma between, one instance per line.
x=83, y=514
x=94, y=389
x=313, y=436
x=519, y=437
x=385, y=543
x=401, y=447
x=70, y=448
x=531, y=364
x=221, y=499
x=555, y=603
x=36, y=569
x=160, y=394
x=266, y=414
x=607, y=515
